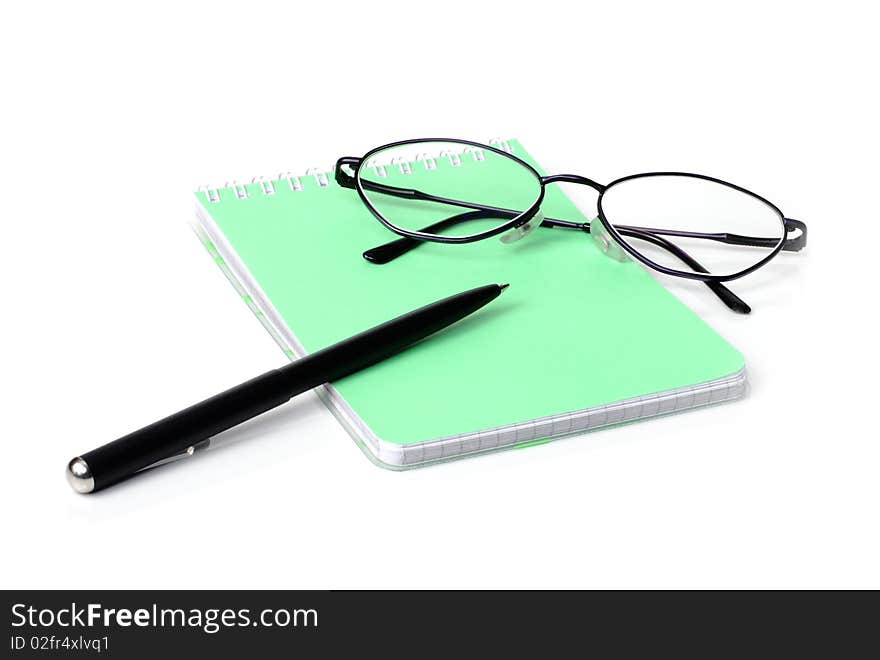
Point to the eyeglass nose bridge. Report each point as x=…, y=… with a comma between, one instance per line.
x=601, y=236
x=606, y=242
x=523, y=230
x=573, y=178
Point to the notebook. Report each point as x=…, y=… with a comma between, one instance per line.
x=578, y=342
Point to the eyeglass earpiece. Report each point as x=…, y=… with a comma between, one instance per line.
x=606, y=242
x=524, y=229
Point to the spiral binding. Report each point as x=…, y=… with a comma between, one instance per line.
x=476, y=153
x=504, y=145
x=378, y=169
x=430, y=163
x=402, y=164
x=239, y=189
x=293, y=181
x=320, y=176
x=268, y=186
x=454, y=158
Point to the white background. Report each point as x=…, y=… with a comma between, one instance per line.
x=113, y=316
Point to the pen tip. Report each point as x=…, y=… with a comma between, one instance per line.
x=503, y=286
x=79, y=476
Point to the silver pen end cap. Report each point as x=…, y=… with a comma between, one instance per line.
x=79, y=476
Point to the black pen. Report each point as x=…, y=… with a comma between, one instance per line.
x=190, y=430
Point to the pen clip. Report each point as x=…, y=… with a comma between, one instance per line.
x=189, y=451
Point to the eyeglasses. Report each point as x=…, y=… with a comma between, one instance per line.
x=685, y=225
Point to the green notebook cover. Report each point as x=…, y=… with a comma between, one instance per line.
x=579, y=340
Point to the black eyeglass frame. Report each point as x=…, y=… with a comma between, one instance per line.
x=355, y=181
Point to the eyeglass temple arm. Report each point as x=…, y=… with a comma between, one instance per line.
x=799, y=242
x=347, y=180
x=728, y=297
x=342, y=177
x=382, y=254
x=794, y=244
x=386, y=252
